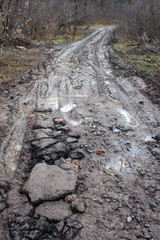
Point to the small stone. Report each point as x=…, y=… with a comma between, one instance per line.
x=78, y=154
x=116, y=130
x=149, y=140
x=70, y=198
x=99, y=151
x=129, y=219
x=78, y=205
x=60, y=121
x=5, y=186
x=59, y=226
x=46, y=123
x=152, y=205
x=141, y=102
x=146, y=236
x=157, y=137
x=154, y=217
x=60, y=161
x=57, y=134
x=156, y=152
x=76, y=162
x=73, y=135
x=22, y=209
x=2, y=206
x=158, y=187
x=74, y=146
x=43, y=143
x=138, y=219
x=43, y=225
x=70, y=166
x=72, y=140
x=56, y=211
x=40, y=134
x=18, y=203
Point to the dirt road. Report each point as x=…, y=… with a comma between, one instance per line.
x=118, y=170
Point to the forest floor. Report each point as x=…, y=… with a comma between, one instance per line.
x=80, y=148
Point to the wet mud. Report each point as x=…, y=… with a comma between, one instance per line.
x=76, y=108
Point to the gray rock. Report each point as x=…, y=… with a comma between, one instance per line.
x=78, y=205
x=74, y=224
x=60, y=147
x=59, y=226
x=147, y=236
x=2, y=206
x=72, y=140
x=24, y=209
x=74, y=146
x=156, y=153
x=43, y=143
x=39, y=134
x=57, y=134
x=55, y=211
x=70, y=166
x=5, y=186
x=18, y=203
x=157, y=137
x=76, y=154
x=48, y=182
x=60, y=161
x=42, y=110
x=46, y=123
x=74, y=135
x=43, y=225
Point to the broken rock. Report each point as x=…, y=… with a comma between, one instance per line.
x=48, y=183
x=78, y=205
x=70, y=166
x=70, y=198
x=156, y=153
x=43, y=143
x=55, y=211
x=157, y=137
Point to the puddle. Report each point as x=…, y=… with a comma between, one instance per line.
x=118, y=165
x=134, y=149
x=68, y=107
x=74, y=123
x=52, y=102
x=127, y=117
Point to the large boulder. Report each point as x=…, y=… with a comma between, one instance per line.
x=48, y=183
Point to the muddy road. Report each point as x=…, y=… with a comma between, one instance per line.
x=98, y=128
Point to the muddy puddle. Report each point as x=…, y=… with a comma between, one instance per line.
x=128, y=118
x=118, y=164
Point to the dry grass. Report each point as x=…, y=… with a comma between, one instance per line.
x=17, y=61
x=147, y=63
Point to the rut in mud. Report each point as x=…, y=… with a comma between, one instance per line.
x=99, y=129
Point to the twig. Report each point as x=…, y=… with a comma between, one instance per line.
x=107, y=173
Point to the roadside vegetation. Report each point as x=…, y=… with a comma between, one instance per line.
x=15, y=61
x=146, y=58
